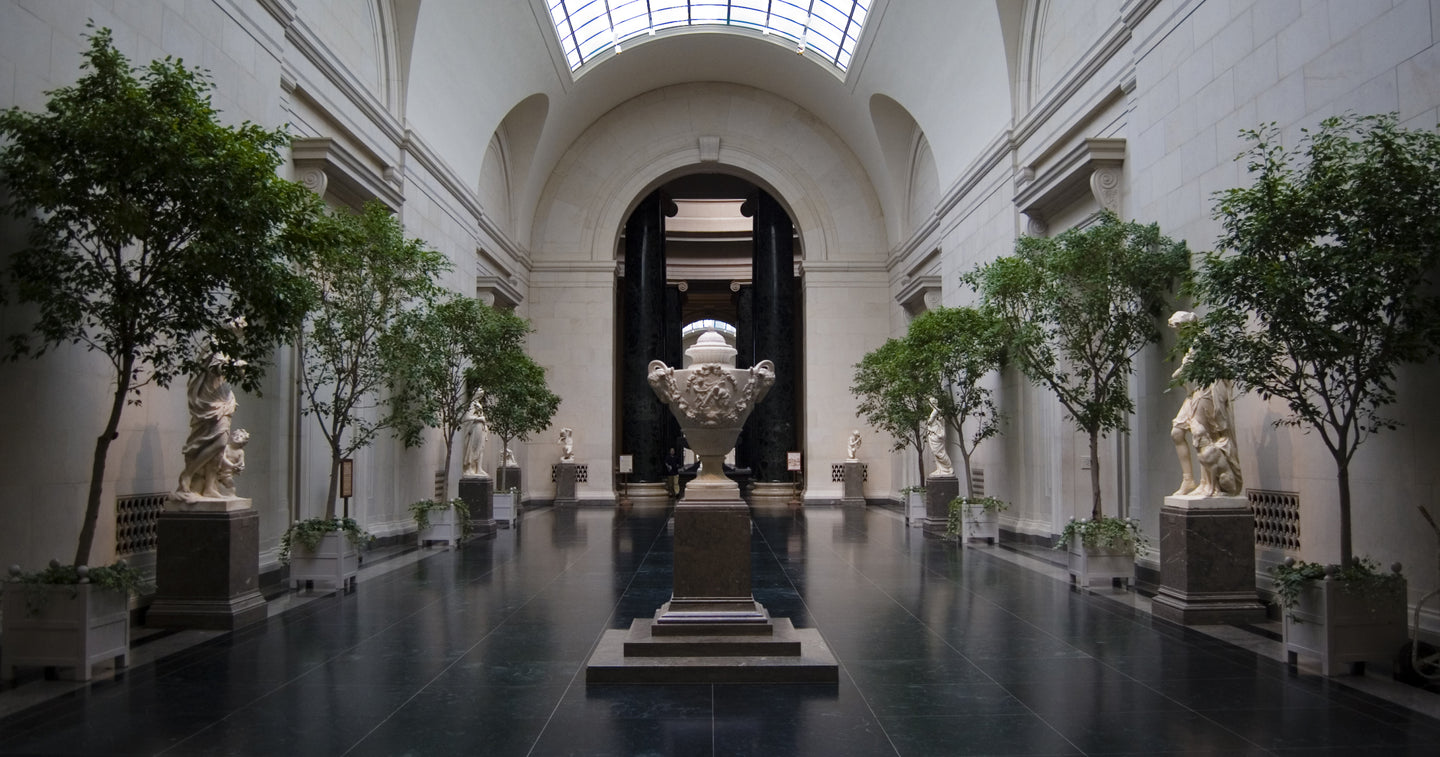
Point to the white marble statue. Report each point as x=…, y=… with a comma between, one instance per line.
x=1205, y=426
x=852, y=448
x=935, y=436
x=567, y=445
x=475, y=434
x=232, y=462
x=212, y=404
x=509, y=459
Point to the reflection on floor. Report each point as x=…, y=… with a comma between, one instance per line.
x=943, y=651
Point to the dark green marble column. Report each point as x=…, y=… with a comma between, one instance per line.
x=772, y=324
x=642, y=415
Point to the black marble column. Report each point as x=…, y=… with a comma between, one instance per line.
x=674, y=356
x=642, y=416
x=773, y=324
x=744, y=358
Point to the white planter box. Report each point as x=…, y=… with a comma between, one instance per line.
x=334, y=561
x=915, y=508
x=504, y=507
x=73, y=632
x=1091, y=564
x=444, y=527
x=979, y=523
x=1340, y=626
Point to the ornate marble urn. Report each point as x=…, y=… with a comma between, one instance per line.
x=711, y=399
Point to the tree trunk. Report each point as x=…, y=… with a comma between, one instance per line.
x=920, y=455
x=1095, y=512
x=97, y=465
x=334, y=490
x=1342, y=479
x=969, y=480
x=449, y=444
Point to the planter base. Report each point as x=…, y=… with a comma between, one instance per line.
x=75, y=632
x=1343, y=627
x=1088, y=565
x=1207, y=562
x=444, y=527
x=334, y=561
x=207, y=570
x=984, y=526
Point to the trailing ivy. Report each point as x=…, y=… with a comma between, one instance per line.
x=1105, y=533
x=118, y=577
x=421, y=510
x=963, y=507
x=1360, y=575
x=308, y=533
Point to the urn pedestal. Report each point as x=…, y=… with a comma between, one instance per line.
x=1207, y=562
x=478, y=493
x=712, y=630
x=207, y=566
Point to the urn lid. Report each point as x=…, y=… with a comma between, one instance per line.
x=711, y=348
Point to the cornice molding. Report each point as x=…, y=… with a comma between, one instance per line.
x=1094, y=165
x=324, y=164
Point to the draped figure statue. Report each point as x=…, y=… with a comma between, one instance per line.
x=1205, y=428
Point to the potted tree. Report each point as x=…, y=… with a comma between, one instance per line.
x=894, y=399
x=445, y=521
x=364, y=274
x=1077, y=309
x=959, y=347
x=1323, y=284
x=138, y=250
x=518, y=404
x=441, y=356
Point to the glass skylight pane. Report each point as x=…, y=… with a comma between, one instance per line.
x=827, y=27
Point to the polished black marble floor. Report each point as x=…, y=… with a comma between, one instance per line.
x=943, y=651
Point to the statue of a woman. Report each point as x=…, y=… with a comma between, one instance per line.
x=1205, y=426
x=852, y=447
x=935, y=436
x=475, y=434
x=211, y=403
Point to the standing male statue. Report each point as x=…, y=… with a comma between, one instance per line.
x=1205, y=426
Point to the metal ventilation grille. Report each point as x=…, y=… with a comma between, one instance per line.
x=136, y=517
x=977, y=482
x=837, y=472
x=582, y=472
x=1277, y=518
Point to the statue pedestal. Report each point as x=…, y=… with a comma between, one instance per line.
x=712, y=630
x=507, y=478
x=854, y=477
x=478, y=493
x=1207, y=562
x=207, y=566
x=939, y=490
x=565, y=485
x=771, y=494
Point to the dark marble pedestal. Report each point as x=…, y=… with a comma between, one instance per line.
x=712, y=630
x=854, y=475
x=478, y=493
x=565, y=485
x=507, y=478
x=207, y=568
x=1207, y=562
x=939, y=490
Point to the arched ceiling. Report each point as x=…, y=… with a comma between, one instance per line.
x=943, y=61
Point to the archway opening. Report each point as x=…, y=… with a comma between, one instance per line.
x=716, y=248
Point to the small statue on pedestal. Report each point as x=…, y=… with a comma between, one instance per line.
x=935, y=437
x=853, y=446
x=1205, y=426
x=567, y=445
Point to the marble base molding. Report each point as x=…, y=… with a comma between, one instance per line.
x=207, y=568
x=712, y=630
x=1207, y=562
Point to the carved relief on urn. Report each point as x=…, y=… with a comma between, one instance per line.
x=711, y=399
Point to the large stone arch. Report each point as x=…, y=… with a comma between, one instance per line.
x=761, y=136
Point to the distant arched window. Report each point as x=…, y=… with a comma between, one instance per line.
x=695, y=328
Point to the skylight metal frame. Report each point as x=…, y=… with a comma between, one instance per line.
x=825, y=29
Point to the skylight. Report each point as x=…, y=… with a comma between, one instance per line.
x=825, y=28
